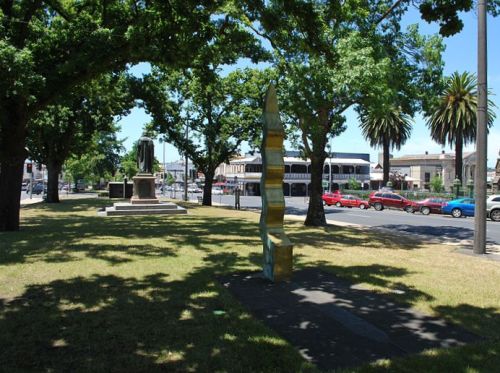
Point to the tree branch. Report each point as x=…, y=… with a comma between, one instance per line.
x=388, y=11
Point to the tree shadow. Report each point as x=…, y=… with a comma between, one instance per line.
x=339, y=237
x=108, y=323
x=59, y=234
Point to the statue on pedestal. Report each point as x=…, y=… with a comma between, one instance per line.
x=145, y=155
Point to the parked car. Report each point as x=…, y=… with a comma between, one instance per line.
x=429, y=205
x=382, y=200
x=217, y=191
x=493, y=207
x=348, y=200
x=39, y=188
x=331, y=198
x=459, y=207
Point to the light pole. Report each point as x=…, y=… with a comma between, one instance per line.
x=482, y=135
x=164, y=173
x=186, y=167
x=330, y=168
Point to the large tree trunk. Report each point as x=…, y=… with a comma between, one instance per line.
x=315, y=211
x=207, y=188
x=386, y=162
x=53, y=171
x=459, y=158
x=12, y=156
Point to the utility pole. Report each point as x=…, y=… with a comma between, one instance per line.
x=482, y=136
x=164, y=185
x=186, y=167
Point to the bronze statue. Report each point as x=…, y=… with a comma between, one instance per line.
x=145, y=155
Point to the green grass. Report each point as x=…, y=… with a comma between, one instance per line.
x=85, y=293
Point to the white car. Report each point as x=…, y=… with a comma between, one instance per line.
x=493, y=207
x=217, y=191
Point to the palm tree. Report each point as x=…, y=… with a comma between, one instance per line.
x=454, y=120
x=388, y=127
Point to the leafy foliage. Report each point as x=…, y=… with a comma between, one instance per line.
x=204, y=114
x=101, y=160
x=436, y=184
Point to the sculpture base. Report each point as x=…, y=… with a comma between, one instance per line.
x=278, y=256
x=144, y=189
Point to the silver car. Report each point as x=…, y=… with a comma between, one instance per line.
x=493, y=207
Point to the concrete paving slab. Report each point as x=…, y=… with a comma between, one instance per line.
x=335, y=324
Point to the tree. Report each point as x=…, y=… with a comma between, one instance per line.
x=436, y=184
x=332, y=57
x=67, y=128
x=99, y=161
x=387, y=127
x=50, y=47
x=454, y=118
x=354, y=184
x=219, y=113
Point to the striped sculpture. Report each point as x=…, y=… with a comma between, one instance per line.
x=278, y=249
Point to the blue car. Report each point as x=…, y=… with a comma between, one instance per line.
x=459, y=207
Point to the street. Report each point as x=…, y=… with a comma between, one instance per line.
x=438, y=227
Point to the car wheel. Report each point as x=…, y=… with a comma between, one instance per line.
x=425, y=210
x=408, y=209
x=362, y=207
x=495, y=215
x=456, y=213
x=378, y=206
x=338, y=204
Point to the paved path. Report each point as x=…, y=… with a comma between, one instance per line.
x=336, y=324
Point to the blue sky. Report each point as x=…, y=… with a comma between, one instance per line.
x=460, y=55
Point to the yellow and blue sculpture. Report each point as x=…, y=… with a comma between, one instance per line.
x=278, y=250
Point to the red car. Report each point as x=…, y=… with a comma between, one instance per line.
x=429, y=205
x=348, y=200
x=382, y=200
x=331, y=198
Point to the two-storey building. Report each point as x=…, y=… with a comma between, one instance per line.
x=246, y=172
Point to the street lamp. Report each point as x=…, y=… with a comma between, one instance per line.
x=470, y=187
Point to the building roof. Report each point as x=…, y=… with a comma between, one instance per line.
x=428, y=157
x=337, y=161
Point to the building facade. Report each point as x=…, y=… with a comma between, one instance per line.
x=246, y=171
x=421, y=168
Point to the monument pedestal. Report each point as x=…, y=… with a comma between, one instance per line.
x=144, y=190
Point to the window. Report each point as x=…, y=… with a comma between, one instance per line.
x=287, y=169
x=253, y=168
x=347, y=169
x=497, y=199
x=299, y=169
x=335, y=169
x=427, y=177
x=326, y=169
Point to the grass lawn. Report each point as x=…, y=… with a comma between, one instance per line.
x=85, y=293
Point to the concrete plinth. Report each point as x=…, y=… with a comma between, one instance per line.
x=144, y=189
x=121, y=209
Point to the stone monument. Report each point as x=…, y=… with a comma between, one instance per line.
x=144, y=181
x=143, y=201
x=278, y=250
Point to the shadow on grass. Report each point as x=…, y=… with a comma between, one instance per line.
x=109, y=323
x=62, y=232
x=333, y=235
